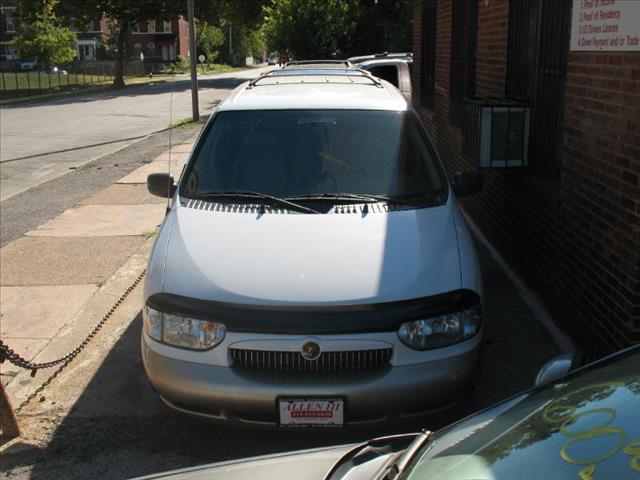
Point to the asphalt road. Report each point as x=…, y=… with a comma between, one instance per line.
x=42, y=141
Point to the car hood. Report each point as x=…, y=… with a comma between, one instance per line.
x=303, y=465
x=293, y=258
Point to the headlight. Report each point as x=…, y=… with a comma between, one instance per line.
x=442, y=330
x=183, y=332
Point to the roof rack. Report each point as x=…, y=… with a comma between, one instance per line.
x=375, y=56
x=317, y=72
x=296, y=63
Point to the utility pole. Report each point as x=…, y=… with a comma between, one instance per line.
x=194, y=62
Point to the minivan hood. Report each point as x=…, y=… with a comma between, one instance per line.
x=293, y=258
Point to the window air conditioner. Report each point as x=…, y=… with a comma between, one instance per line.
x=496, y=133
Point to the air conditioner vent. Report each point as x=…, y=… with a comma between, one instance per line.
x=496, y=133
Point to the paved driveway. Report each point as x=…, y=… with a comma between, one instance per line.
x=102, y=419
x=41, y=141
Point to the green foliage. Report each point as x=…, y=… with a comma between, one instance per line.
x=338, y=28
x=310, y=28
x=209, y=39
x=42, y=37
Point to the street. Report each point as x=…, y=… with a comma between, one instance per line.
x=41, y=141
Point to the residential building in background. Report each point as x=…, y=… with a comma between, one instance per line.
x=159, y=40
x=569, y=220
x=7, y=31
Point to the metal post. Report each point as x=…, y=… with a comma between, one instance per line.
x=39, y=82
x=194, y=60
x=8, y=419
x=17, y=86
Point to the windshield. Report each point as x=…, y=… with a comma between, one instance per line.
x=584, y=428
x=289, y=153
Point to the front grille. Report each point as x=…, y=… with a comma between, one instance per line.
x=292, y=362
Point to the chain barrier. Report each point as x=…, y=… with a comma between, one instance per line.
x=8, y=354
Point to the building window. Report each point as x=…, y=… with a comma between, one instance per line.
x=536, y=73
x=151, y=49
x=86, y=52
x=151, y=26
x=463, y=56
x=167, y=26
x=428, y=53
x=9, y=52
x=11, y=27
x=137, y=49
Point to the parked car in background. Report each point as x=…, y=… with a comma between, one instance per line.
x=582, y=425
x=314, y=268
x=55, y=70
x=273, y=59
x=395, y=68
x=28, y=64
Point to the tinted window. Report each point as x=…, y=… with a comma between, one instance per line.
x=301, y=152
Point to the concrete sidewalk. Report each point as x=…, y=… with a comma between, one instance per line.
x=60, y=278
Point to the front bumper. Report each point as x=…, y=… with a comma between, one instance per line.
x=225, y=393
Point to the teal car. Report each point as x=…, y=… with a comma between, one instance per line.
x=584, y=425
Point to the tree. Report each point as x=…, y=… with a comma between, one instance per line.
x=208, y=39
x=338, y=28
x=121, y=15
x=42, y=37
x=310, y=28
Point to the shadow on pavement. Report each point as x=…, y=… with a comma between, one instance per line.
x=119, y=429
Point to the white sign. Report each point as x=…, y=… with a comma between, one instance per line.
x=605, y=25
x=141, y=57
x=201, y=57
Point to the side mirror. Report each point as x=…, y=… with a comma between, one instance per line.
x=558, y=366
x=467, y=183
x=161, y=185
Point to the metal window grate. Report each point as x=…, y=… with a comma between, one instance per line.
x=463, y=56
x=537, y=51
x=428, y=53
x=327, y=362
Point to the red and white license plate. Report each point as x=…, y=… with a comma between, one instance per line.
x=311, y=412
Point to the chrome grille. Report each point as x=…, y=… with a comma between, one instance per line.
x=291, y=362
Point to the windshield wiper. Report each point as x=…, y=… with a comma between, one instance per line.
x=256, y=195
x=400, y=465
x=362, y=197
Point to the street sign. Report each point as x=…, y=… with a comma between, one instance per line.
x=201, y=58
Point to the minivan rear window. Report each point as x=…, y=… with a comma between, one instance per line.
x=289, y=153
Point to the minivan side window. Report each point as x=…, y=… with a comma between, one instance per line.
x=386, y=72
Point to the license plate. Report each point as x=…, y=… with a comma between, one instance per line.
x=311, y=412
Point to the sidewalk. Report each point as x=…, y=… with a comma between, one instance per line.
x=60, y=278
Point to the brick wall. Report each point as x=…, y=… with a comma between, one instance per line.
x=575, y=238
x=601, y=192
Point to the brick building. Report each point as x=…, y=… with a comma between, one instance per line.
x=159, y=40
x=569, y=222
